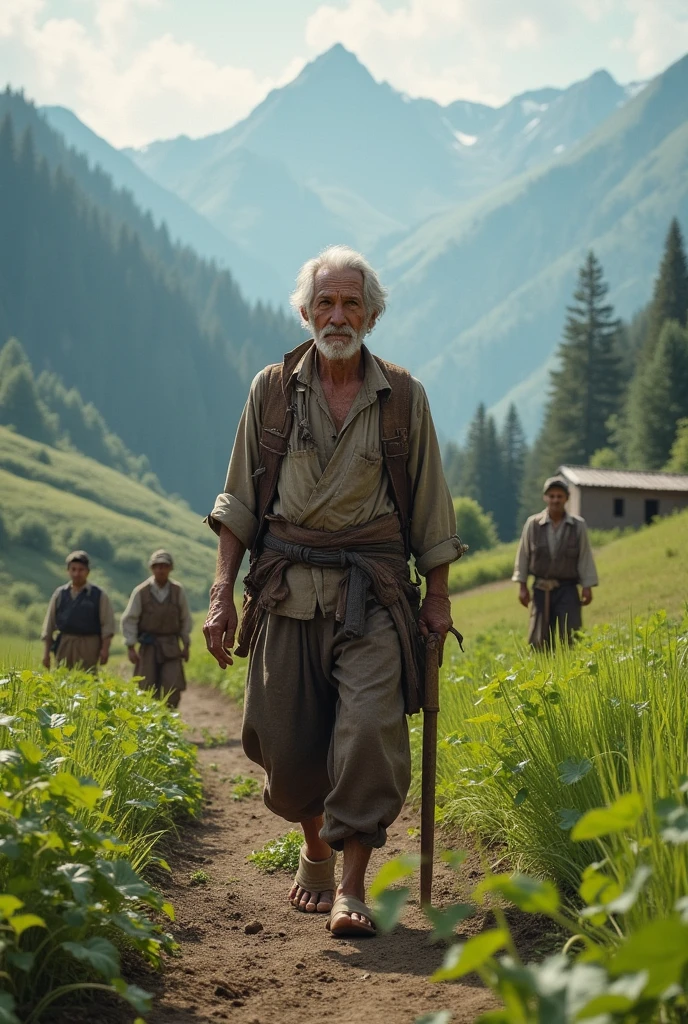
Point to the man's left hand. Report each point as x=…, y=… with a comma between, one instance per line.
x=185, y=652
x=435, y=615
x=104, y=655
x=586, y=596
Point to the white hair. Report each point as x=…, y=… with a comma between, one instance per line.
x=338, y=257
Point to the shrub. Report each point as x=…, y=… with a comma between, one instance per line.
x=97, y=544
x=31, y=532
x=23, y=594
x=475, y=527
x=43, y=455
x=129, y=560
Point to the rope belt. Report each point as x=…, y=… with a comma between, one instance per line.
x=340, y=558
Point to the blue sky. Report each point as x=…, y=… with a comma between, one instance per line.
x=137, y=70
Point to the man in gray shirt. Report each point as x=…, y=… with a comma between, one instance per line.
x=555, y=549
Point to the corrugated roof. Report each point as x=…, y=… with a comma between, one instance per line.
x=584, y=476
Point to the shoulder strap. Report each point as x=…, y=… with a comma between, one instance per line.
x=277, y=416
x=395, y=428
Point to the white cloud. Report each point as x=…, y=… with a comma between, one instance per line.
x=129, y=95
x=660, y=33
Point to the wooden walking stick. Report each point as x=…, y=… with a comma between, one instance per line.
x=431, y=706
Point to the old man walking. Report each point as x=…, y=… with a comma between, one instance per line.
x=334, y=480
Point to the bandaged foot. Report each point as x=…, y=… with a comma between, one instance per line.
x=314, y=884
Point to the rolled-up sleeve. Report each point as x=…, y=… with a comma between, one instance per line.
x=49, y=622
x=433, y=523
x=587, y=571
x=522, y=557
x=236, y=507
x=107, y=616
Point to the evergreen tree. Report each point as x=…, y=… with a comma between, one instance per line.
x=482, y=469
x=453, y=460
x=512, y=443
x=659, y=397
x=670, y=297
x=21, y=408
x=584, y=390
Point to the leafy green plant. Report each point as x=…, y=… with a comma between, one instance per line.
x=212, y=739
x=92, y=772
x=199, y=877
x=279, y=854
x=244, y=787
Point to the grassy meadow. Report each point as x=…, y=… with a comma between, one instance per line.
x=52, y=501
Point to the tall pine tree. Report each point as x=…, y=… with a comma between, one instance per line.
x=659, y=398
x=512, y=442
x=584, y=391
x=670, y=297
x=482, y=464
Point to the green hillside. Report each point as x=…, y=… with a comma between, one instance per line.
x=52, y=501
x=640, y=573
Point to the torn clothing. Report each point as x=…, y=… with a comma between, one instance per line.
x=330, y=481
x=324, y=716
x=371, y=558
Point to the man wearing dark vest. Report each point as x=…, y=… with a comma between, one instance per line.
x=335, y=479
x=82, y=615
x=158, y=618
x=555, y=549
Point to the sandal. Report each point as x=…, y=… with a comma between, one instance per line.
x=344, y=906
x=315, y=876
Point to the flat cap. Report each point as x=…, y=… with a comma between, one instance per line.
x=78, y=556
x=161, y=557
x=556, y=481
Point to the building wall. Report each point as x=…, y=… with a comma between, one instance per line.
x=596, y=505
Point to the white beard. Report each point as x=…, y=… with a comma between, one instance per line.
x=337, y=350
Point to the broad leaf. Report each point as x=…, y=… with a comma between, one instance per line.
x=521, y=796
x=568, y=816
x=141, y=1000
x=572, y=771
x=22, y=922
x=620, y=816
x=122, y=877
x=79, y=879
x=98, y=953
x=7, y=1005
x=78, y=793
x=388, y=907
x=454, y=858
x=673, y=817
x=30, y=751
x=444, y=922
x=22, y=960
x=528, y=894
x=8, y=905
x=393, y=871
x=465, y=957
x=660, y=948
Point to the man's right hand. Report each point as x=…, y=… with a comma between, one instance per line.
x=524, y=595
x=133, y=656
x=220, y=626
x=45, y=661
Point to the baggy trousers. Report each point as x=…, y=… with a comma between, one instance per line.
x=324, y=716
x=565, y=616
x=164, y=678
x=78, y=651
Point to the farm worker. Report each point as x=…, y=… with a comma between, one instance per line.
x=158, y=618
x=334, y=479
x=82, y=615
x=555, y=549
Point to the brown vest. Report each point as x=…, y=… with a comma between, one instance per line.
x=278, y=413
x=161, y=618
x=564, y=565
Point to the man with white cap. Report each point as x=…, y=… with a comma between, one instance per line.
x=158, y=618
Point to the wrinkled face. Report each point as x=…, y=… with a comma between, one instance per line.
x=78, y=574
x=555, y=499
x=338, y=315
x=161, y=572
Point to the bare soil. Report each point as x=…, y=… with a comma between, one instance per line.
x=291, y=970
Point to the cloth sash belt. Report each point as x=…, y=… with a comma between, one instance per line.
x=374, y=558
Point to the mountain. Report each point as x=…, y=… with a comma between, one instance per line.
x=370, y=162
x=479, y=294
x=185, y=225
x=162, y=343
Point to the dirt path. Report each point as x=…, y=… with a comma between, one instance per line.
x=292, y=970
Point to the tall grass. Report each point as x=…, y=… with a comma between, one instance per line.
x=531, y=741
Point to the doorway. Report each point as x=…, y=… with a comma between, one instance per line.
x=651, y=509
